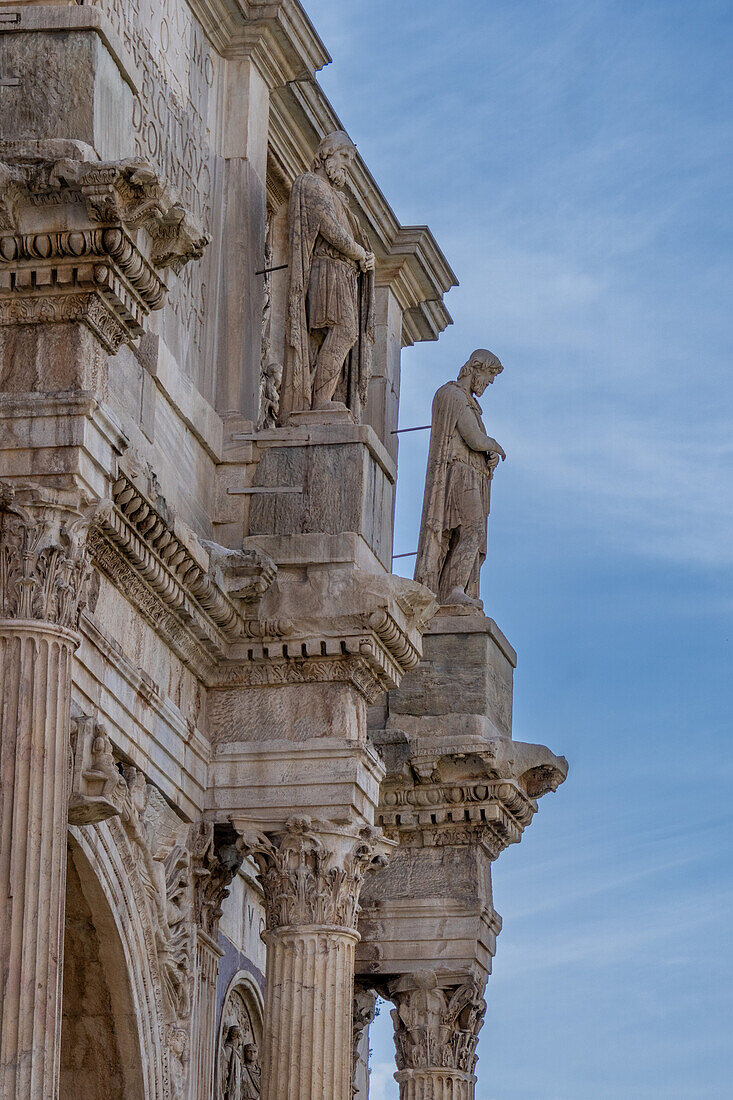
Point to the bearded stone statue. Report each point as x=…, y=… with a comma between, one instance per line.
x=330, y=312
x=461, y=462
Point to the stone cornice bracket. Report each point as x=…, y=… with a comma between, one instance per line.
x=216, y=856
x=97, y=789
x=311, y=871
x=44, y=564
x=276, y=34
x=196, y=597
x=87, y=241
x=436, y=1025
x=419, y=275
x=463, y=795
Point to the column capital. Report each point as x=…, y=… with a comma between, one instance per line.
x=87, y=241
x=216, y=856
x=436, y=1025
x=312, y=871
x=44, y=561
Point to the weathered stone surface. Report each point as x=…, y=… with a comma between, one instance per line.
x=198, y=621
x=76, y=82
x=331, y=292
x=461, y=462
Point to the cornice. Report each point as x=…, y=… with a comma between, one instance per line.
x=190, y=599
x=276, y=34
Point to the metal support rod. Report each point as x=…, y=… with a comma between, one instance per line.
x=267, y=270
x=256, y=489
x=422, y=428
x=412, y=554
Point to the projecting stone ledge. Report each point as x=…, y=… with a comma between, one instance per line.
x=82, y=240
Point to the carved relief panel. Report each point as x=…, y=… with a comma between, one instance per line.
x=238, y=1070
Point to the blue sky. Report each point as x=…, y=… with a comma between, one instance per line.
x=574, y=161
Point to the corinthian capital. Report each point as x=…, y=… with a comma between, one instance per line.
x=44, y=564
x=312, y=871
x=436, y=1027
x=216, y=856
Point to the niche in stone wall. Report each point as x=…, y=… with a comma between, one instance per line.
x=240, y=1041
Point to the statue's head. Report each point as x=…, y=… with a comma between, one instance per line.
x=234, y=1036
x=250, y=1053
x=334, y=155
x=482, y=368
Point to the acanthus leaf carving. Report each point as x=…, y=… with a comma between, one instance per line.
x=216, y=856
x=436, y=1027
x=311, y=872
x=44, y=560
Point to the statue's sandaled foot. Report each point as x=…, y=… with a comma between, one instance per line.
x=458, y=596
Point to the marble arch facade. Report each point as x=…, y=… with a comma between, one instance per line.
x=269, y=775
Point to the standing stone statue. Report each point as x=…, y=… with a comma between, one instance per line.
x=461, y=462
x=241, y=1077
x=330, y=319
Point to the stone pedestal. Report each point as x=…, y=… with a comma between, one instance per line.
x=458, y=790
x=42, y=576
x=311, y=873
x=322, y=474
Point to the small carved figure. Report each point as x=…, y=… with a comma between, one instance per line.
x=178, y=1062
x=461, y=462
x=241, y=1078
x=270, y=381
x=330, y=319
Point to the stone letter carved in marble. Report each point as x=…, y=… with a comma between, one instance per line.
x=461, y=463
x=330, y=311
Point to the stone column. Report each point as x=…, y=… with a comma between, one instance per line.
x=216, y=859
x=43, y=570
x=436, y=1031
x=311, y=873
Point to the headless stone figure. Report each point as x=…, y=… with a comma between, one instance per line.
x=461, y=463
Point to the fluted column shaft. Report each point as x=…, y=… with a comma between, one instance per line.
x=308, y=995
x=204, y=1021
x=435, y=1084
x=35, y=686
x=311, y=874
x=43, y=573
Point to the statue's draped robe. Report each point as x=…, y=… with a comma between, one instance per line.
x=440, y=516
x=311, y=202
